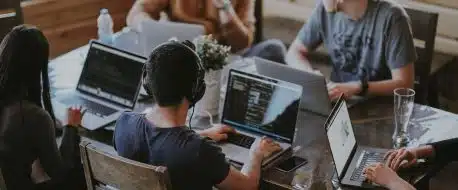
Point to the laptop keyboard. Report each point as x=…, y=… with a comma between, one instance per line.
x=92, y=107
x=240, y=140
x=369, y=158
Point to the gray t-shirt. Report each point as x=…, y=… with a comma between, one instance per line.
x=375, y=44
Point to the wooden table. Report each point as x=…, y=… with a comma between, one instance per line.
x=372, y=122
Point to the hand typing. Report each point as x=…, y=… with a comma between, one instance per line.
x=264, y=148
x=218, y=132
x=382, y=175
x=403, y=157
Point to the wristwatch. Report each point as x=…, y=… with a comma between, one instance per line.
x=364, y=86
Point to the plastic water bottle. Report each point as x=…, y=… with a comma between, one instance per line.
x=105, y=27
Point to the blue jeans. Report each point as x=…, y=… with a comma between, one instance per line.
x=273, y=50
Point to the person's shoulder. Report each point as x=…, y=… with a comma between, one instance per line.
x=392, y=9
x=128, y=118
x=29, y=111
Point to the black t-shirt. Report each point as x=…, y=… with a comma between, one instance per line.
x=27, y=134
x=192, y=161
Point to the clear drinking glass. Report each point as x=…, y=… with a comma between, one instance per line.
x=403, y=107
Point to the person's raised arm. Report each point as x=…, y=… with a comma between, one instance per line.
x=144, y=10
x=237, y=25
x=178, y=7
x=53, y=161
x=307, y=40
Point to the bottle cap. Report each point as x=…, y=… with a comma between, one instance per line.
x=103, y=11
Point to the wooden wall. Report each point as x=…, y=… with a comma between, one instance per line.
x=72, y=23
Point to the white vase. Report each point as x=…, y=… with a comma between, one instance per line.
x=209, y=103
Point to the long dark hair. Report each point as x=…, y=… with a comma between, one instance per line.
x=24, y=56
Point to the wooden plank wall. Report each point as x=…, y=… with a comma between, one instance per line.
x=72, y=23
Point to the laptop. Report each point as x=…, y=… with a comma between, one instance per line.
x=315, y=96
x=108, y=85
x=350, y=159
x=155, y=33
x=258, y=106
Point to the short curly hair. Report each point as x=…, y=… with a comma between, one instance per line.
x=171, y=72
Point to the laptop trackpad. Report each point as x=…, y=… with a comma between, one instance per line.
x=236, y=153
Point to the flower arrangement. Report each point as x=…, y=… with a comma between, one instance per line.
x=212, y=54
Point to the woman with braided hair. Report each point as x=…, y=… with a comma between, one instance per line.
x=27, y=123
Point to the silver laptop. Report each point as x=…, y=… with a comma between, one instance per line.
x=258, y=106
x=158, y=32
x=350, y=159
x=108, y=85
x=315, y=96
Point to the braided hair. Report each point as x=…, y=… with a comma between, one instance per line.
x=24, y=56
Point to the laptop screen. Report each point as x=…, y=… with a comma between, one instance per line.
x=112, y=74
x=262, y=105
x=341, y=136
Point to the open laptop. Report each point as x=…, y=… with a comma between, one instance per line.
x=158, y=32
x=258, y=106
x=108, y=85
x=350, y=159
x=315, y=96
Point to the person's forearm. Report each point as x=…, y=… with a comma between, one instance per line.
x=400, y=184
x=297, y=60
x=252, y=169
x=386, y=87
x=134, y=20
x=424, y=151
x=142, y=10
x=445, y=151
x=236, y=33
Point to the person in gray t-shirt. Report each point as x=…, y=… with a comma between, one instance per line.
x=369, y=41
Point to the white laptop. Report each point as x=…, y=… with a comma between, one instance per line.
x=350, y=159
x=152, y=33
x=158, y=32
x=258, y=106
x=315, y=96
x=108, y=85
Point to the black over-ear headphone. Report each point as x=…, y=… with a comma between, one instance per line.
x=198, y=86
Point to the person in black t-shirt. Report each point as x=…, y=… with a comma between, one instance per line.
x=28, y=147
x=442, y=152
x=160, y=137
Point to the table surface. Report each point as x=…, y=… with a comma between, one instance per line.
x=372, y=122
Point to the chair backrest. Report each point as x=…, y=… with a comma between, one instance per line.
x=258, y=14
x=10, y=16
x=104, y=170
x=424, y=25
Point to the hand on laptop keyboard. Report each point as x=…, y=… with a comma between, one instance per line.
x=264, y=148
x=382, y=175
x=218, y=132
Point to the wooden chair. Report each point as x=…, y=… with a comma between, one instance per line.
x=424, y=26
x=105, y=170
x=10, y=16
x=258, y=14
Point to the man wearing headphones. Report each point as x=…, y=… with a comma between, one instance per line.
x=174, y=76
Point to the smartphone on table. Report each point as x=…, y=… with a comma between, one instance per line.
x=291, y=164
